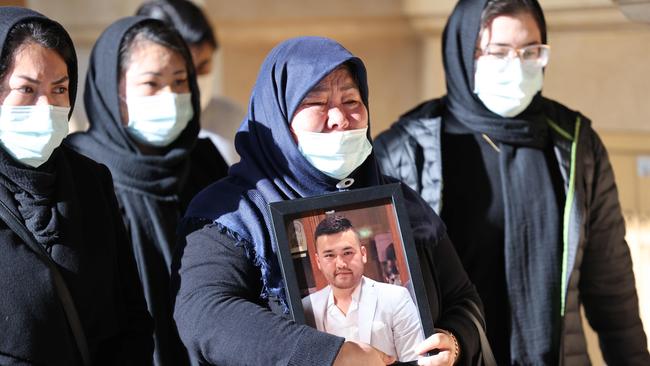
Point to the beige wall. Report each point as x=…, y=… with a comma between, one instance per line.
x=12, y=3
x=626, y=149
x=599, y=65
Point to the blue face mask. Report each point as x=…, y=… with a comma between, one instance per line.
x=158, y=120
x=31, y=133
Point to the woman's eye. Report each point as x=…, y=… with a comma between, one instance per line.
x=351, y=102
x=151, y=84
x=25, y=89
x=60, y=90
x=180, y=81
x=530, y=54
x=314, y=103
x=498, y=52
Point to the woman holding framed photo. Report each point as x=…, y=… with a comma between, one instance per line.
x=306, y=134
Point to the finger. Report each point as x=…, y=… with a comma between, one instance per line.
x=387, y=359
x=436, y=341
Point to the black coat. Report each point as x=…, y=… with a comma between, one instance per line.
x=100, y=273
x=599, y=273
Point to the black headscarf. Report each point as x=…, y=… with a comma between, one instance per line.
x=42, y=195
x=459, y=44
x=148, y=187
x=532, y=227
x=273, y=169
x=11, y=16
x=107, y=139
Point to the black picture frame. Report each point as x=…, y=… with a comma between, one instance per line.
x=292, y=250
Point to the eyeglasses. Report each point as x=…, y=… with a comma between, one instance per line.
x=536, y=54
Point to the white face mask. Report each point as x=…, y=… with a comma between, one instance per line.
x=336, y=154
x=506, y=87
x=206, y=87
x=158, y=120
x=31, y=133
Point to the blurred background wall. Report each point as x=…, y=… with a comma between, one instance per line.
x=600, y=65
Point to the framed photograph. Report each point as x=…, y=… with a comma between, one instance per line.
x=350, y=267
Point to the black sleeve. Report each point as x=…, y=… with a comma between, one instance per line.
x=449, y=290
x=386, y=148
x=455, y=289
x=221, y=319
x=607, y=285
x=136, y=346
x=401, y=157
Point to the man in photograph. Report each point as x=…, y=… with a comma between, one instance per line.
x=356, y=307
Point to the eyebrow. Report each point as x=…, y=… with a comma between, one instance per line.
x=532, y=43
x=526, y=45
x=321, y=88
x=62, y=80
x=29, y=79
x=150, y=73
x=177, y=72
x=342, y=249
x=34, y=81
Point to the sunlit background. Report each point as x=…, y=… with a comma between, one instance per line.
x=600, y=65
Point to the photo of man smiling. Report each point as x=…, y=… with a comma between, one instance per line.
x=354, y=306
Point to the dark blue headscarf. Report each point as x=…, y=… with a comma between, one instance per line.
x=272, y=168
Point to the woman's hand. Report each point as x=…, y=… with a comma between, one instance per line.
x=446, y=345
x=357, y=353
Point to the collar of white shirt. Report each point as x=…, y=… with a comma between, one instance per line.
x=344, y=325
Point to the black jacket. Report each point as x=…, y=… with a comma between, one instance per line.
x=598, y=266
x=101, y=276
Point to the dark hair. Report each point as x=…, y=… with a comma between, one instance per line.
x=495, y=8
x=154, y=31
x=332, y=224
x=46, y=33
x=352, y=69
x=187, y=18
